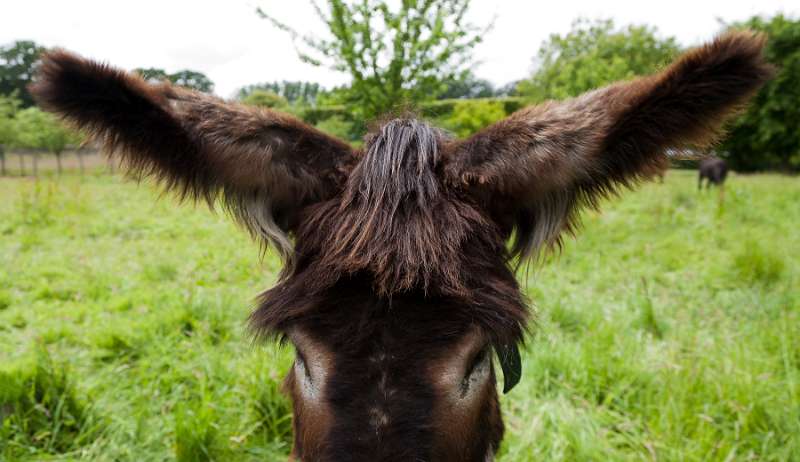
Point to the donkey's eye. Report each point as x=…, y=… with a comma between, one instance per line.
x=477, y=361
x=477, y=371
x=301, y=367
x=308, y=387
x=309, y=372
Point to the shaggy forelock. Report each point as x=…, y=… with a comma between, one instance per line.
x=400, y=161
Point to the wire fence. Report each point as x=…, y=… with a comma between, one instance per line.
x=34, y=163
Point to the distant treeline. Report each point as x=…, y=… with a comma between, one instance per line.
x=592, y=54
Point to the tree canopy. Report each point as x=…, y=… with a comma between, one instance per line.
x=470, y=116
x=396, y=52
x=767, y=135
x=294, y=92
x=192, y=79
x=152, y=74
x=594, y=54
x=185, y=78
x=8, y=109
x=37, y=129
x=17, y=62
x=467, y=86
x=265, y=98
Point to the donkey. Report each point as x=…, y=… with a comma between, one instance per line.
x=398, y=287
x=714, y=170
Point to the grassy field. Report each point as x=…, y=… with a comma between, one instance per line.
x=669, y=330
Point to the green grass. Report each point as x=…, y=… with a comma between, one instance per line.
x=669, y=330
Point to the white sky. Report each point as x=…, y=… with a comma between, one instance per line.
x=229, y=43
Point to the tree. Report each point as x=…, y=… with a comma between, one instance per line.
x=152, y=74
x=336, y=96
x=185, y=78
x=337, y=127
x=295, y=93
x=767, y=135
x=8, y=108
x=192, y=79
x=41, y=130
x=467, y=86
x=470, y=116
x=509, y=89
x=264, y=98
x=594, y=54
x=395, y=54
x=17, y=62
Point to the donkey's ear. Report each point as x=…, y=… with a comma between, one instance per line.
x=262, y=165
x=534, y=169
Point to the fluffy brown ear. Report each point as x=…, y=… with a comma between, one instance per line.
x=534, y=169
x=262, y=165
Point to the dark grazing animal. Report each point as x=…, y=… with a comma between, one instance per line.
x=398, y=287
x=714, y=170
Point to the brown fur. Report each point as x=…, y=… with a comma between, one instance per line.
x=399, y=268
x=263, y=165
x=459, y=416
x=311, y=419
x=547, y=160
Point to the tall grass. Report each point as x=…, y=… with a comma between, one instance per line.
x=40, y=410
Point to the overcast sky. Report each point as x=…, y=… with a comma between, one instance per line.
x=229, y=43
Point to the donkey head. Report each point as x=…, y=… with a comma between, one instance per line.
x=397, y=291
